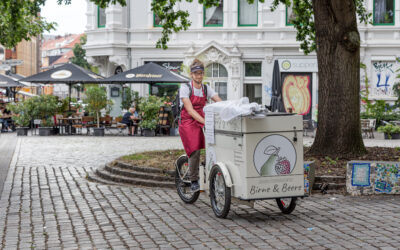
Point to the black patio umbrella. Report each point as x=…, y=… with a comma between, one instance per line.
x=67, y=73
x=276, y=99
x=150, y=73
x=10, y=83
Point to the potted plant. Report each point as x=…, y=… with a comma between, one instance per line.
x=149, y=108
x=96, y=99
x=21, y=117
x=44, y=107
x=129, y=97
x=391, y=131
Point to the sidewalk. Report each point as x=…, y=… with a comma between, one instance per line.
x=377, y=142
x=47, y=203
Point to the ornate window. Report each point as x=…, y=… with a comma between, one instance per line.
x=247, y=13
x=290, y=16
x=217, y=77
x=156, y=21
x=383, y=12
x=101, y=17
x=214, y=16
x=252, y=87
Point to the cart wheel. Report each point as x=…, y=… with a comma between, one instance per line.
x=220, y=194
x=182, y=181
x=286, y=205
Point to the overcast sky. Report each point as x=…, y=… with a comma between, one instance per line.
x=70, y=18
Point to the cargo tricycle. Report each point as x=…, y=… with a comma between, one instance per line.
x=254, y=157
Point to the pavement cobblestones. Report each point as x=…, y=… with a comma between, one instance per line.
x=47, y=203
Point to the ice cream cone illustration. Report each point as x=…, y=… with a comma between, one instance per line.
x=268, y=167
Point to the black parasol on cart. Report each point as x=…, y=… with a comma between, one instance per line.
x=150, y=73
x=276, y=99
x=67, y=73
x=10, y=83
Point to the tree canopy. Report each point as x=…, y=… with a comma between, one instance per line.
x=21, y=20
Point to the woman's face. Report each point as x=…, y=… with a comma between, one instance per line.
x=197, y=76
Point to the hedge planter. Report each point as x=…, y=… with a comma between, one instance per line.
x=149, y=132
x=174, y=131
x=98, y=131
x=45, y=131
x=22, y=131
x=394, y=136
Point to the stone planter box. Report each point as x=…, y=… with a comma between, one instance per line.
x=98, y=131
x=394, y=136
x=22, y=131
x=372, y=177
x=149, y=132
x=45, y=131
x=173, y=131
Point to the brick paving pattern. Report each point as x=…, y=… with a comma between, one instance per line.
x=47, y=203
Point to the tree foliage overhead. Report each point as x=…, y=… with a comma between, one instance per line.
x=176, y=20
x=21, y=20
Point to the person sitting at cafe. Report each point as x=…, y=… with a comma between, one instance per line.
x=130, y=118
x=4, y=119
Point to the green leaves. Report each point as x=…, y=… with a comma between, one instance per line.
x=149, y=108
x=171, y=20
x=80, y=54
x=96, y=98
x=20, y=19
x=177, y=20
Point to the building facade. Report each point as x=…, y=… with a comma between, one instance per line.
x=21, y=61
x=239, y=43
x=56, y=51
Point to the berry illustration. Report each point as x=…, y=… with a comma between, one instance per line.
x=283, y=166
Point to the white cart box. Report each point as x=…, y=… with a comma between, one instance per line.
x=263, y=155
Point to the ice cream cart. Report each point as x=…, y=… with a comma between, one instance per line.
x=254, y=157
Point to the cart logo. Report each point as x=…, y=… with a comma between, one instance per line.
x=61, y=74
x=274, y=155
x=130, y=76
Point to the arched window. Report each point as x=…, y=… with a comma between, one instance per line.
x=217, y=77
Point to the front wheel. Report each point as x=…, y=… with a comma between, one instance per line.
x=220, y=194
x=182, y=181
x=287, y=205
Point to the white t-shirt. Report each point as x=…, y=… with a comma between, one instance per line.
x=184, y=91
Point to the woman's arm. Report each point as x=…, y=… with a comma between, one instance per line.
x=189, y=108
x=216, y=98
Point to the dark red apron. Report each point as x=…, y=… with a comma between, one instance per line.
x=190, y=130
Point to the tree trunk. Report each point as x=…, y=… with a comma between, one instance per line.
x=98, y=119
x=338, y=53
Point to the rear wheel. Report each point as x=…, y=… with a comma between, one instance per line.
x=220, y=194
x=182, y=181
x=287, y=205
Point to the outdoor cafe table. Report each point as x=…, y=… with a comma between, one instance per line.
x=69, y=121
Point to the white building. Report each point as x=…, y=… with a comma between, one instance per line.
x=239, y=43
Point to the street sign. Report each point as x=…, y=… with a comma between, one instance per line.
x=13, y=62
x=5, y=67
